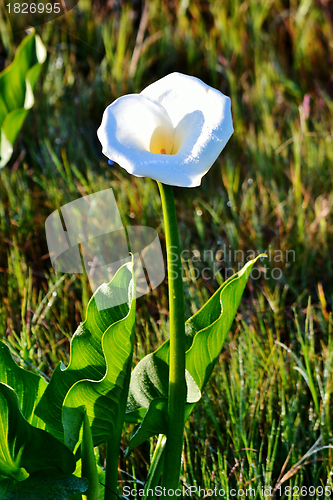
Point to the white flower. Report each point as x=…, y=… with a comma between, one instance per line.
x=179, y=116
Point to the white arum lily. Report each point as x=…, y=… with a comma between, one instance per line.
x=179, y=116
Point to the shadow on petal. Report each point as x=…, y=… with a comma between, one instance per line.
x=188, y=132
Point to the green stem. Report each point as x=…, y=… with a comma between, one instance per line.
x=177, y=385
x=111, y=471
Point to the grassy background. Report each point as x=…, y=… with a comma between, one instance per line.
x=269, y=401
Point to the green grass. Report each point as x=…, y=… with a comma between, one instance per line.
x=269, y=401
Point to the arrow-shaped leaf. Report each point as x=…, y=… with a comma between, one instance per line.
x=87, y=359
x=209, y=327
x=17, y=82
x=29, y=387
x=24, y=447
x=206, y=332
x=105, y=400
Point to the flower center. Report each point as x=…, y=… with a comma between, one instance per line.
x=163, y=152
x=161, y=139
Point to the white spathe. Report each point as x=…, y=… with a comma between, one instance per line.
x=180, y=114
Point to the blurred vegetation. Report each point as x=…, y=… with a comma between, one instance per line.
x=271, y=190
